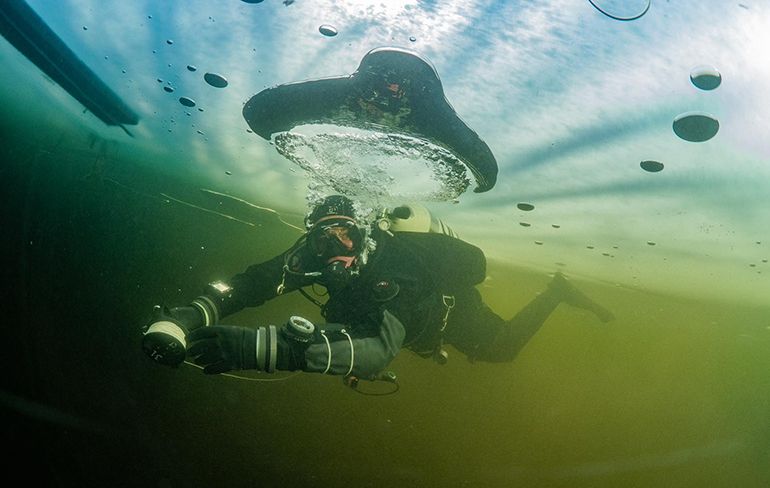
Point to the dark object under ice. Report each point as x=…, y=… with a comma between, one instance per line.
x=28, y=33
x=393, y=90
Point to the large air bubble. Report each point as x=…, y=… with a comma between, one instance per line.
x=216, y=80
x=393, y=90
x=374, y=166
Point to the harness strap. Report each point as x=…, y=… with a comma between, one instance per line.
x=449, y=303
x=439, y=354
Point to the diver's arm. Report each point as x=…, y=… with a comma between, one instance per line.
x=251, y=288
x=298, y=345
x=164, y=337
x=346, y=354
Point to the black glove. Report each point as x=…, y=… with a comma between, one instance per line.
x=222, y=348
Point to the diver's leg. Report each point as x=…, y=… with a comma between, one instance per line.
x=517, y=332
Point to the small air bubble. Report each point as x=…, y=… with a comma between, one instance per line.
x=539, y=243
x=215, y=80
x=412, y=38
x=228, y=173
x=191, y=68
x=187, y=102
x=169, y=42
x=625, y=10
x=168, y=89
x=525, y=206
x=705, y=77
x=85, y=27
x=650, y=243
x=555, y=226
x=328, y=30
x=525, y=224
x=651, y=166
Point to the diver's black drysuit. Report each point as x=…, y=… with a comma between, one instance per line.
x=417, y=290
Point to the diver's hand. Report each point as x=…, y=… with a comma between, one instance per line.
x=222, y=348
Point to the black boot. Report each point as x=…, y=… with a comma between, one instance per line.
x=570, y=295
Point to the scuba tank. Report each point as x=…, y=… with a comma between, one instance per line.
x=412, y=218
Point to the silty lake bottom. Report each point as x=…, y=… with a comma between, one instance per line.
x=674, y=392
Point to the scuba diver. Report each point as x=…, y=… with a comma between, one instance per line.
x=387, y=290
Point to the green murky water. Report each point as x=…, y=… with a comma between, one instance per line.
x=673, y=393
